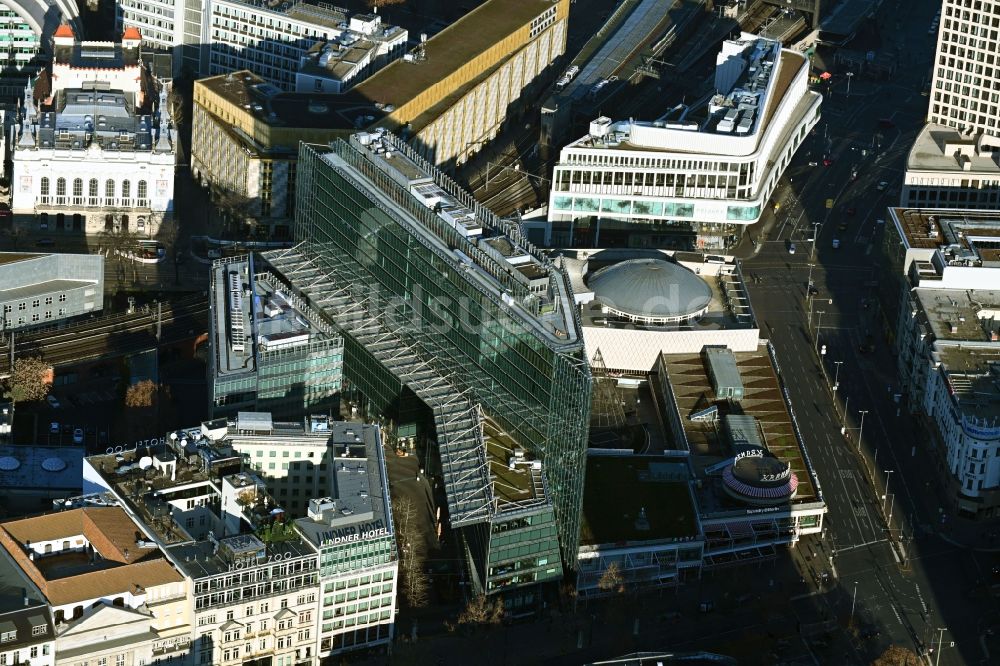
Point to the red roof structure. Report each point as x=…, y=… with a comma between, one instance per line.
x=64, y=31
x=132, y=32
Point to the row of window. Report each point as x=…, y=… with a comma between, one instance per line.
x=93, y=188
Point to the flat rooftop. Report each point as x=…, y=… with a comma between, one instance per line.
x=201, y=559
x=517, y=478
x=450, y=50
x=268, y=104
x=971, y=237
x=935, y=149
x=636, y=498
x=356, y=499
x=973, y=373
x=683, y=121
x=253, y=316
x=41, y=467
x=707, y=441
x=458, y=227
x=960, y=314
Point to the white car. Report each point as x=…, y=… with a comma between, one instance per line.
x=836, y=243
x=53, y=401
x=882, y=185
x=54, y=427
x=78, y=436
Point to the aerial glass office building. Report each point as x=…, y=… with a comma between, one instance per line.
x=441, y=301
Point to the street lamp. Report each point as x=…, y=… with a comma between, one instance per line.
x=816, y=226
x=836, y=375
x=892, y=502
x=849, y=75
x=854, y=601
x=941, y=630
x=887, y=473
x=861, y=430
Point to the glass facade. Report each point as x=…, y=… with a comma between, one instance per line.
x=360, y=226
x=523, y=549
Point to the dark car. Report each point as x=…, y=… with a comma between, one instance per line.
x=851, y=210
x=842, y=226
x=827, y=161
x=45, y=242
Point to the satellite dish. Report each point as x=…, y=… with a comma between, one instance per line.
x=145, y=462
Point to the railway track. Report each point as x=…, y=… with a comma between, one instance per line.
x=111, y=336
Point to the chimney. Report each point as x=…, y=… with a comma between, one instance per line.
x=24, y=593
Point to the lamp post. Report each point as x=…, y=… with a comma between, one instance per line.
x=892, y=502
x=861, y=430
x=819, y=323
x=887, y=473
x=816, y=226
x=854, y=601
x=849, y=75
x=836, y=375
x=937, y=658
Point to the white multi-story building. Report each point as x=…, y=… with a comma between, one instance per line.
x=94, y=151
x=953, y=162
x=268, y=37
x=26, y=26
x=697, y=176
x=97, y=568
x=948, y=342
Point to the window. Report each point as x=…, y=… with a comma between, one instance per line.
x=8, y=636
x=140, y=192
x=109, y=190
x=61, y=187
x=34, y=651
x=230, y=614
x=48, y=300
x=92, y=192
x=126, y=189
x=45, y=189
x=78, y=191
x=62, y=298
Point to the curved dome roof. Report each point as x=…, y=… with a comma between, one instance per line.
x=651, y=289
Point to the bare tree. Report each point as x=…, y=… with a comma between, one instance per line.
x=895, y=655
x=482, y=610
x=412, y=554
x=236, y=208
x=30, y=379
x=121, y=245
x=611, y=580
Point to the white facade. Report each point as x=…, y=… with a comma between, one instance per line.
x=268, y=37
x=712, y=174
x=953, y=161
x=355, y=54
x=964, y=89
x=96, y=165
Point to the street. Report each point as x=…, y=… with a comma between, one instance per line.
x=905, y=580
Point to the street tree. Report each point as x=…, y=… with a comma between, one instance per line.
x=896, y=655
x=612, y=581
x=30, y=380
x=481, y=610
x=412, y=554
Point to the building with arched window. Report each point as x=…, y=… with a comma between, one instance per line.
x=94, y=148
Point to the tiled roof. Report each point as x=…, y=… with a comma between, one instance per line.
x=132, y=32
x=64, y=31
x=123, y=566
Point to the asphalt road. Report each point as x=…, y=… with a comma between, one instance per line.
x=927, y=584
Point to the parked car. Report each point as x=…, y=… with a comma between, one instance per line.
x=851, y=210
x=836, y=243
x=842, y=227
x=45, y=242
x=827, y=161
x=53, y=401
x=54, y=428
x=78, y=436
x=791, y=248
x=882, y=186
